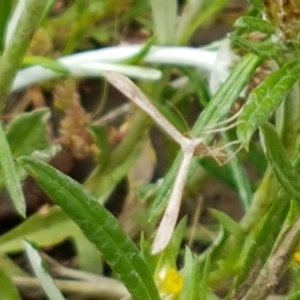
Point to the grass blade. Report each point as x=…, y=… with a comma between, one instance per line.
x=7, y=287
x=164, y=16
x=40, y=271
x=99, y=226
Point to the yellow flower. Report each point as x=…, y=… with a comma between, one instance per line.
x=296, y=257
x=172, y=283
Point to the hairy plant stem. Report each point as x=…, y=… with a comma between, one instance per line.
x=276, y=265
x=15, y=51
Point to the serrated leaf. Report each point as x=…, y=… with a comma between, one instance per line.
x=99, y=225
x=264, y=99
x=284, y=171
x=10, y=175
x=28, y=132
x=42, y=274
x=254, y=24
x=47, y=63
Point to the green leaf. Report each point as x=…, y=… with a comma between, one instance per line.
x=42, y=274
x=265, y=50
x=282, y=167
x=28, y=133
x=136, y=58
x=204, y=287
x=264, y=99
x=164, y=17
x=7, y=288
x=101, y=141
x=49, y=4
x=229, y=225
x=215, y=111
x=99, y=225
x=254, y=24
x=261, y=247
x=5, y=9
x=11, y=267
x=48, y=63
x=48, y=229
x=10, y=175
x=89, y=257
x=103, y=181
x=191, y=277
x=44, y=229
x=258, y=4
x=293, y=296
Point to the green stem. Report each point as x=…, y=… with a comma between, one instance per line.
x=15, y=51
x=288, y=119
x=261, y=202
x=138, y=126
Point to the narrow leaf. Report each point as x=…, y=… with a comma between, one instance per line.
x=99, y=226
x=47, y=63
x=101, y=140
x=40, y=271
x=8, y=290
x=191, y=277
x=28, y=133
x=275, y=153
x=164, y=16
x=229, y=225
x=10, y=175
x=261, y=248
x=44, y=229
x=204, y=288
x=266, y=50
x=264, y=99
x=254, y=24
x=5, y=8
